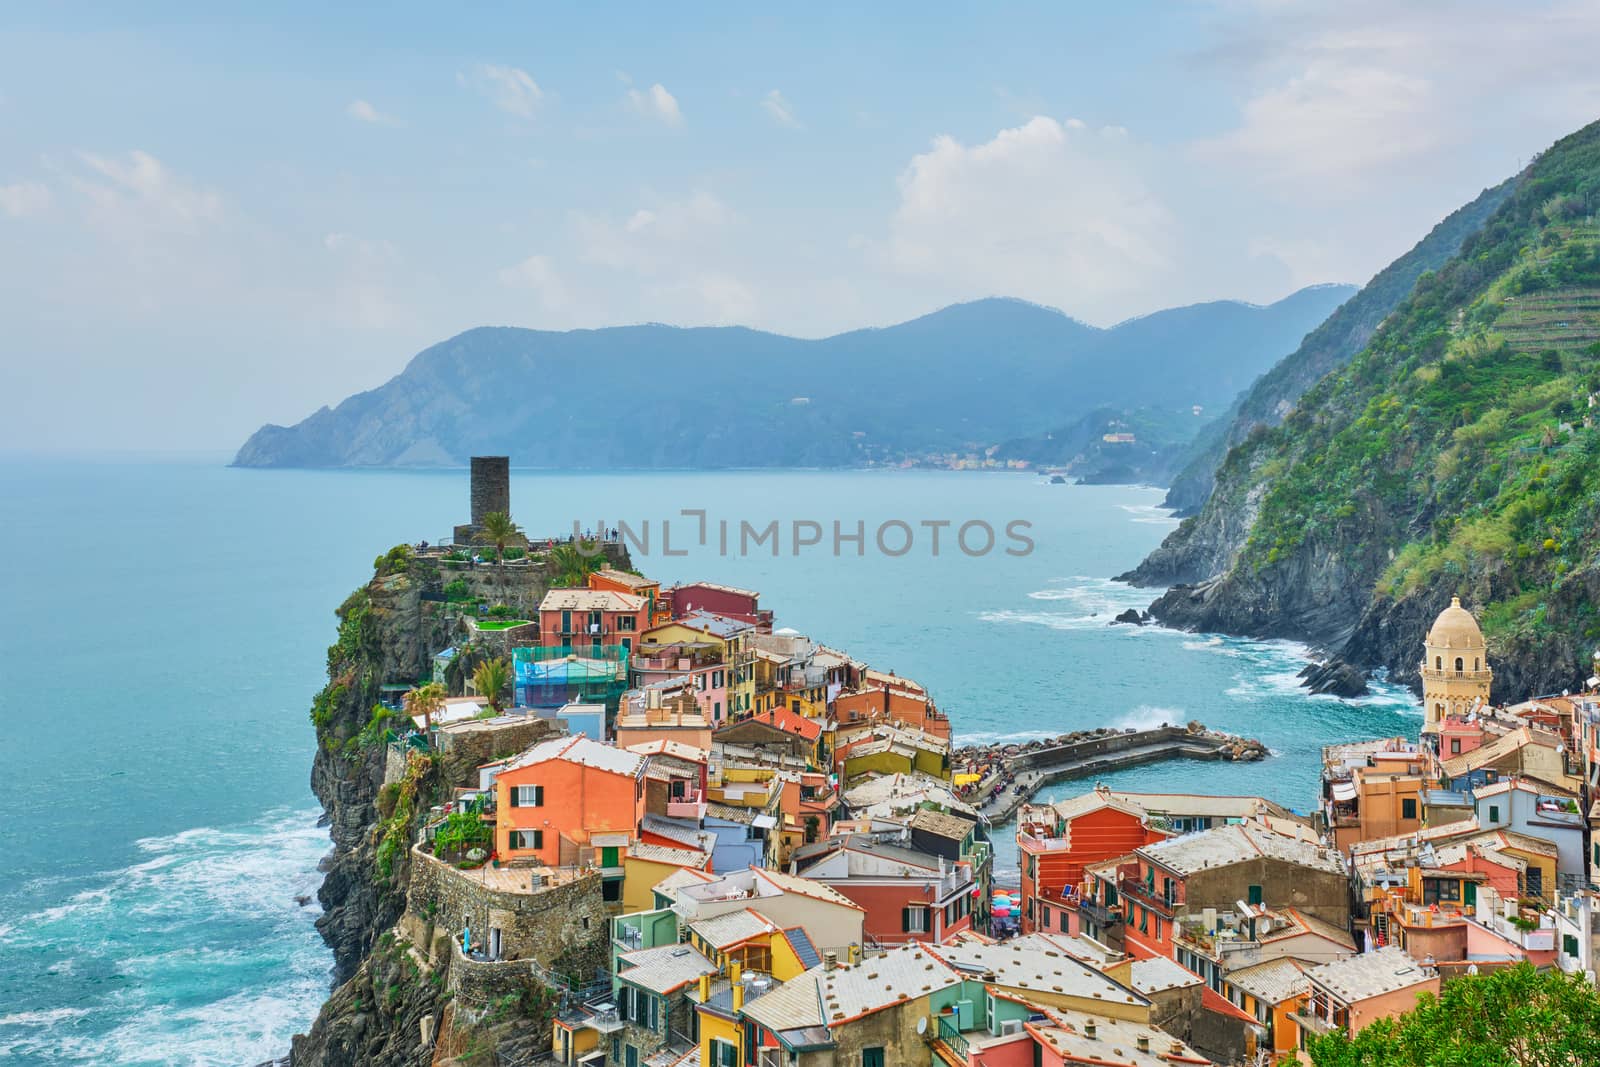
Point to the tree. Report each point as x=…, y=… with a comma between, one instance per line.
x=427, y=701
x=572, y=566
x=1513, y=1018
x=499, y=530
x=490, y=678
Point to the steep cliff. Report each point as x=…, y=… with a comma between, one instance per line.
x=389, y=988
x=1455, y=455
x=1275, y=393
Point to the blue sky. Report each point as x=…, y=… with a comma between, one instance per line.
x=213, y=219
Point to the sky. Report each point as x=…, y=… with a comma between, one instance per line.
x=215, y=216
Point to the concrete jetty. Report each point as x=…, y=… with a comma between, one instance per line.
x=1088, y=754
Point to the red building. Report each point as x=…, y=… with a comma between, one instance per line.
x=1055, y=842
x=907, y=894
x=742, y=604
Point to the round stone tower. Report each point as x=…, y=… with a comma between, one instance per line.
x=491, y=486
x=1455, y=667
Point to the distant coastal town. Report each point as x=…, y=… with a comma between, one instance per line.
x=654, y=827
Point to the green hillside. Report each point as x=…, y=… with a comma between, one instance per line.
x=1456, y=454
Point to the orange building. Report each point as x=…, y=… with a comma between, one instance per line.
x=889, y=698
x=615, y=581
x=1056, y=841
x=556, y=798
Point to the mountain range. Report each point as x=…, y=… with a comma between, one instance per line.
x=1456, y=454
x=655, y=396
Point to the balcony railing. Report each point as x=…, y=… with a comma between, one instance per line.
x=1098, y=912
x=951, y=1035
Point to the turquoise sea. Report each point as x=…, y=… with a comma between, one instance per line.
x=165, y=624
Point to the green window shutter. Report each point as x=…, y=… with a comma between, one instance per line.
x=905, y=920
x=1494, y=813
x=538, y=839
x=1255, y=894
x=538, y=796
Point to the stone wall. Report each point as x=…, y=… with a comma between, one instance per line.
x=563, y=927
x=464, y=750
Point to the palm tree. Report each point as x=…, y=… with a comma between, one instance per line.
x=427, y=701
x=490, y=679
x=499, y=529
x=572, y=566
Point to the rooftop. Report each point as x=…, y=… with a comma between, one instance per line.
x=1274, y=981
x=733, y=928
x=1114, y=1043
x=942, y=824
x=632, y=581
x=1036, y=964
x=1224, y=846
x=1199, y=806
x=1371, y=974
x=1159, y=974
x=582, y=751
x=677, y=857
x=664, y=969
x=590, y=600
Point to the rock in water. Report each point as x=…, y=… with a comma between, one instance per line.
x=1131, y=616
x=1336, y=678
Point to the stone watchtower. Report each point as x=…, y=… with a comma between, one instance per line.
x=1455, y=667
x=491, y=491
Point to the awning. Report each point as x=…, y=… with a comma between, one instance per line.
x=1344, y=790
x=763, y=822
x=968, y=779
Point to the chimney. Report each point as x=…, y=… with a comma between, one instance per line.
x=652, y=698
x=705, y=988
x=733, y=972
x=738, y=996
x=1176, y=1048
x=830, y=960
x=1143, y=1041
x=1089, y=1029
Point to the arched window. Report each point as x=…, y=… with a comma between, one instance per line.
x=1461, y=664
x=1438, y=663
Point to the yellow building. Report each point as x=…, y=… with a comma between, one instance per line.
x=647, y=864
x=1455, y=667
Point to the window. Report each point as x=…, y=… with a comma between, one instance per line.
x=1569, y=945
x=521, y=839
x=1144, y=919
x=914, y=920
x=626, y=623
x=1494, y=813
x=632, y=1058
x=611, y=890
x=1438, y=663
x=1535, y=882
x=609, y=858
x=1255, y=895
x=724, y=1053
x=1455, y=746
x=1063, y=921
x=527, y=796
x=566, y=622
x=1408, y=808
x=716, y=679
x=1461, y=664
x=872, y=1057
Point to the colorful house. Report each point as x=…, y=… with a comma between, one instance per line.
x=1351, y=994
x=638, y=585
x=721, y=636
x=570, y=801
x=591, y=619
x=907, y=895
x=741, y=604
x=1055, y=842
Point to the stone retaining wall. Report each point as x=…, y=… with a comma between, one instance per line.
x=563, y=927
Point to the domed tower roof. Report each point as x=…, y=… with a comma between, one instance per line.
x=1455, y=628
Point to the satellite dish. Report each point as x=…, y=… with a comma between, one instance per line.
x=922, y=1025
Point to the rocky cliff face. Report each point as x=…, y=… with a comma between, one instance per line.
x=1328, y=347
x=388, y=631
x=1456, y=454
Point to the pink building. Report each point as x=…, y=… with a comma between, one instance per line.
x=700, y=664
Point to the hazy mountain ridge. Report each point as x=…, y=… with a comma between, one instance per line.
x=660, y=397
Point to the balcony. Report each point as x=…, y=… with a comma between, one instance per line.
x=1139, y=891
x=1099, y=913
x=601, y=1017
x=689, y=806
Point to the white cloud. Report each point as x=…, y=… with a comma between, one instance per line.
x=511, y=89
x=139, y=192
x=1053, y=214
x=656, y=103
x=362, y=111
x=538, y=275
x=779, y=110
x=22, y=199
